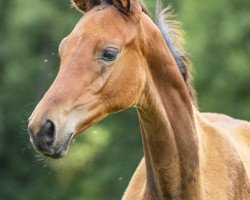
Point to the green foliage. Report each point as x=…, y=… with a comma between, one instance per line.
x=102, y=160
x=219, y=42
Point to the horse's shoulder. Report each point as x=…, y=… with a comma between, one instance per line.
x=232, y=132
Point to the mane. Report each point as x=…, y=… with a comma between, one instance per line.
x=174, y=37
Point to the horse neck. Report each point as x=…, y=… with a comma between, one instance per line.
x=168, y=131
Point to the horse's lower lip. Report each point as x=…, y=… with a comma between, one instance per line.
x=56, y=155
x=61, y=151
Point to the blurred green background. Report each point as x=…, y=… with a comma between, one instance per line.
x=102, y=160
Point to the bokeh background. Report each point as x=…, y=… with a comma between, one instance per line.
x=102, y=160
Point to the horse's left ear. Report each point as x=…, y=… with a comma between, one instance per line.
x=85, y=5
x=123, y=5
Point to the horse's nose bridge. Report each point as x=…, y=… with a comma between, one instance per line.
x=56, y=96
x=56, y=102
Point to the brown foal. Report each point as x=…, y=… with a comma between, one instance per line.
x=115, y=58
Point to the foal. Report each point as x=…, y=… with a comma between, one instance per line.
x=115, y=58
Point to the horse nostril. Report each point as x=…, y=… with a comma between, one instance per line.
x=48, y=133
x=49, y=127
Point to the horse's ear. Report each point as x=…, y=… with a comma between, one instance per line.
x=123, y=5
x=85, y=5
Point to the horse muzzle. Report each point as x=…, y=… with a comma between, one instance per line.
x=44, y=140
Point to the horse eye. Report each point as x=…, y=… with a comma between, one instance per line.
x=109, y=54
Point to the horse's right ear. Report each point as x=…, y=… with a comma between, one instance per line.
x=123, y=5
x=85, y=5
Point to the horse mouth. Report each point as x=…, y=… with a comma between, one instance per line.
x=60, y=150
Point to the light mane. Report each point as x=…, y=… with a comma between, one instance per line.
x=174, y=36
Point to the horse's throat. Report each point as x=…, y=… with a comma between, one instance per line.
x=170, y=144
